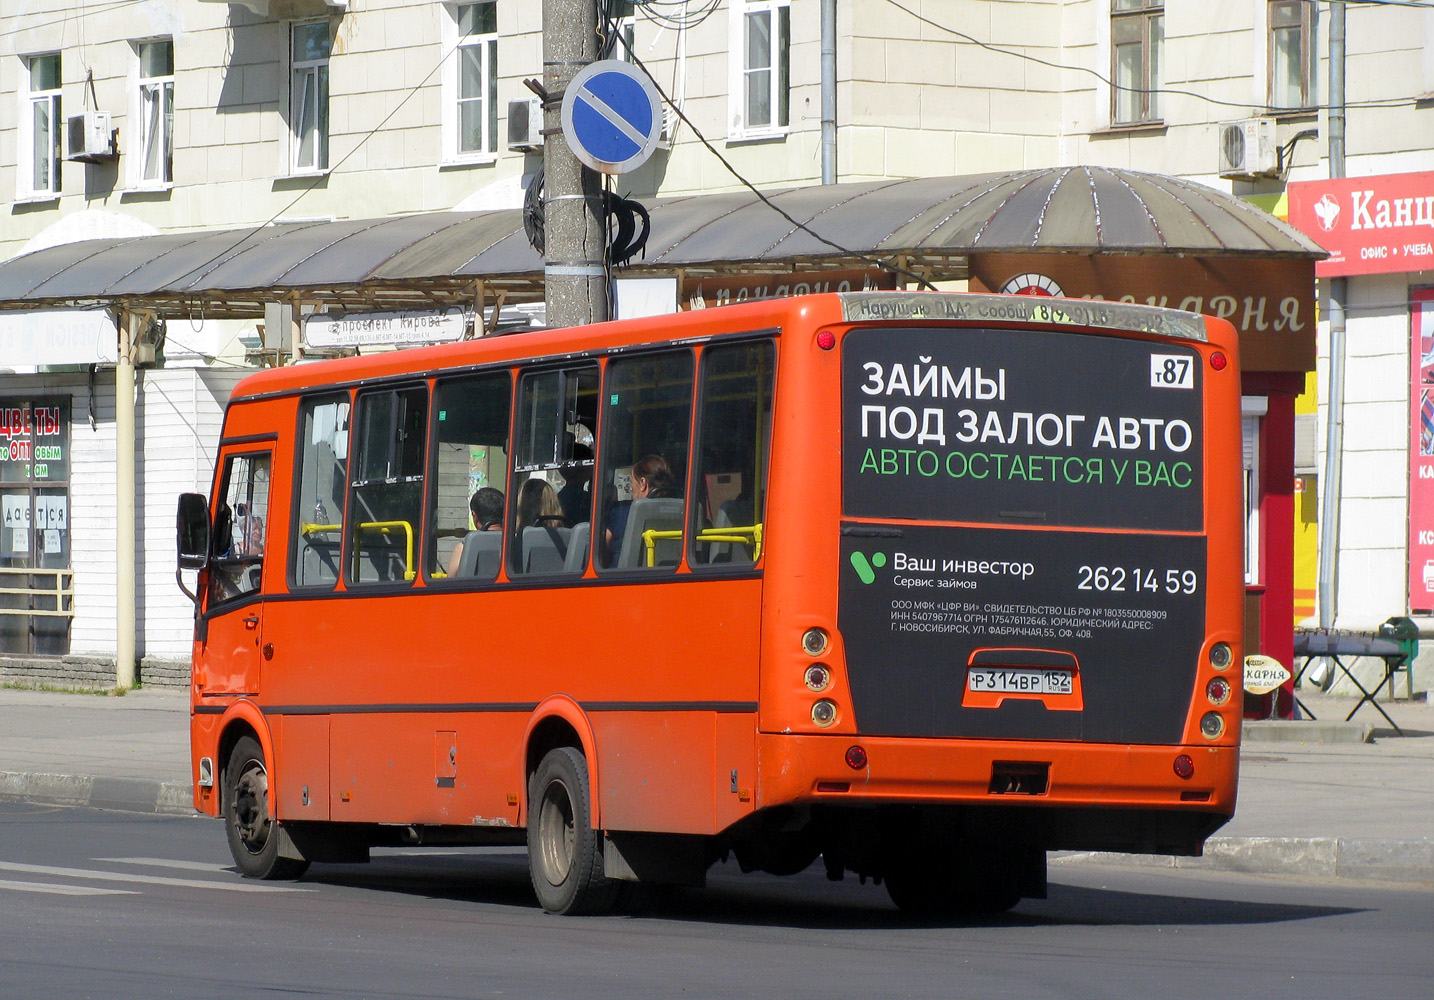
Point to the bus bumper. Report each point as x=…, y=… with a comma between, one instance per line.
x=1077, y=796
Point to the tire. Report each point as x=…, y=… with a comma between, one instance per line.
x=565, y=859
x=946, y=887
x=248, y=820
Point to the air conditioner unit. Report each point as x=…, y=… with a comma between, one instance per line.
x=525, y=124
x=89, y=137
x=1247, y=148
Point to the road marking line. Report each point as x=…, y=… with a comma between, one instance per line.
x=192, y=866
x=63, y=890
x=185, y=883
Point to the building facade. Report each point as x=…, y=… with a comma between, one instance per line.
x=166, y=116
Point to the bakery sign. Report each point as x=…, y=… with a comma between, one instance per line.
x=1369, y=225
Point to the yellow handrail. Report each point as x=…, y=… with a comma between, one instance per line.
x=409, y=573
x=750, y=534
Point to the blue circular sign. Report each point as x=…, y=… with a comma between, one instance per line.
x=612, y=117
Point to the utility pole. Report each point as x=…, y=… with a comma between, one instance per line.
x=1334, y=397
x=574, y=265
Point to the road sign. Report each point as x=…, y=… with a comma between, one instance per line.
x=612, y=118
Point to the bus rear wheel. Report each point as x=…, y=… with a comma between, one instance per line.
x=248, y=818
x=948, y=887
x=565, y=858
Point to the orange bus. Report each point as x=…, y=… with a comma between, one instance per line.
x=922, y=584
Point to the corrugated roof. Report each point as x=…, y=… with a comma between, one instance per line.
x=930, y=224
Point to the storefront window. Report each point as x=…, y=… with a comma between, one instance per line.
x=36, y=585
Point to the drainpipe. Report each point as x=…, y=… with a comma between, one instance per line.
x=1338, y=295
x=130, y=326
x=829, y=133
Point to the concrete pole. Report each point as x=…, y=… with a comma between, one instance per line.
x=130, y=326
x=574, y=268
x=1331, y=487
x=829, y=87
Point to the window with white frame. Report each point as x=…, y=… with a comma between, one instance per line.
x=1137, y=38
x=477, y=83
x=40, y=125
x=156, y=112
x=761, y=30
x=1252, y=414
x=1291, y=63
x=624, y=24
x=309, y=96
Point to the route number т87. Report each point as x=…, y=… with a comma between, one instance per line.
x=1119, y=580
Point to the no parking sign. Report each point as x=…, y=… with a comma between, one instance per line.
x=612, y=116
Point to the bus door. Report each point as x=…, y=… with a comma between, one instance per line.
x=234, y=645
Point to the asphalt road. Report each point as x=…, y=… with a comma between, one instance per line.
x=112, y=905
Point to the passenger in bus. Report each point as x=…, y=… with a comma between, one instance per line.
x=576, y=495
x=486, y=506
x=651, y=477
x=249, y=539
x=538, y=505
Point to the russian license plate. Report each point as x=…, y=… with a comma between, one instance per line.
x=1014, y=680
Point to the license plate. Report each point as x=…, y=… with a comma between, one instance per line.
x=1019, y=680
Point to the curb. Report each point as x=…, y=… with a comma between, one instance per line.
x=1367, y=859
x=1305, y=731
x=168, y=798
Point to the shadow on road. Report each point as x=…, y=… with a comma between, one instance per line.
x=805, y=901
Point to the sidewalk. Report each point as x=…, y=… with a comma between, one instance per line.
x=1314, y=800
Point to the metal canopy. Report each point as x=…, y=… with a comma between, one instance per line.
x=929, y=225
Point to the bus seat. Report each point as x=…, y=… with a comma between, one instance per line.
x=545, y=549
x=577, y=556
x=651, y=514
x=481, y=554
x=733, y=513
x=319, y=560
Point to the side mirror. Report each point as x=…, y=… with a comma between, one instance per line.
x=192, y=530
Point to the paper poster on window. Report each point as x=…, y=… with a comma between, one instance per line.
x=1421, y=452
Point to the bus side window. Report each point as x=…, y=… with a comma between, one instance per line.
x=645, y=428
x=549, y=526
x=470, y=466
x=240, y=529
x=733, y=433
x=323, y=449
x=386, y=500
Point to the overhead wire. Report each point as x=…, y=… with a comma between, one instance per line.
x=887, y=265
x=1393, y=102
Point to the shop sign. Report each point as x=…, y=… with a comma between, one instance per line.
x=1270, y=302
x=702, y=293
x=1421, y=452
x=384, y=329
x=1369, y=225
x=34, y=441
x=1263, y=674
x=58, y=337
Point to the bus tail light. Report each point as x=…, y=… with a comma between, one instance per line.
x=826, y=340
x=814, y=642
x=1218, y=361
x=1212, y=725
x=856, y=757
x=1220, y=655
x=824, y=712
x=818, y=677
x=1184, y=767
x=1218, y=691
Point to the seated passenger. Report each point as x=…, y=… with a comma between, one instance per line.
x=538, y=505
x=486, y=506
x=651, y=477
x=576, y=495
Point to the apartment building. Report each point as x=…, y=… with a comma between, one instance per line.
x=120, y=119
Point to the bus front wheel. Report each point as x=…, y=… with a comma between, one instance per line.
x=564, y=851
x=249, y=819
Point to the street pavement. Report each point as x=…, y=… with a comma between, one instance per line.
x=1326, y=798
